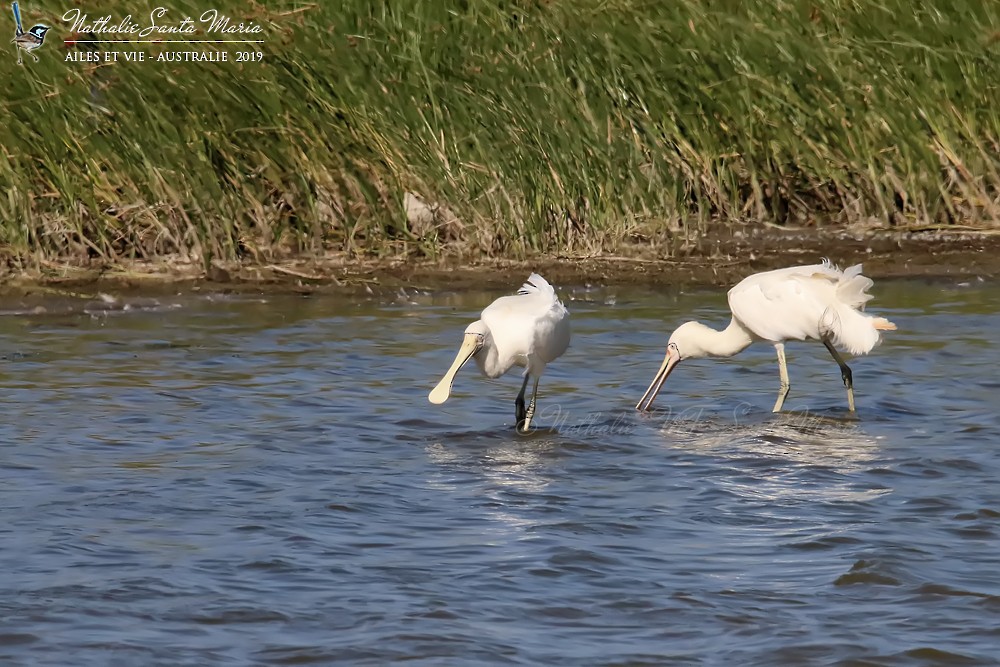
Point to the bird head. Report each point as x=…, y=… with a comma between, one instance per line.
x=475, y=339
x=684, y=343
x=688, y=340
x=39, y=31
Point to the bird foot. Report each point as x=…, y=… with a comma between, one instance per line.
x=782, y=394
x=519, y=412
x=524, y=424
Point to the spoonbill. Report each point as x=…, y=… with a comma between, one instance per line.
x=818, y=302
x=528, y=329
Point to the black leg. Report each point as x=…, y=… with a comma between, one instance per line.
x=519, y=411
x=845, y=372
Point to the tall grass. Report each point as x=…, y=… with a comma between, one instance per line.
x=526, y=125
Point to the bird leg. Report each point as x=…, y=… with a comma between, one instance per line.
x=519, y=411
x=523, y=427
x=783, y=372
x=845, y=372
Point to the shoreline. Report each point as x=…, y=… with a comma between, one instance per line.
x=715, y=262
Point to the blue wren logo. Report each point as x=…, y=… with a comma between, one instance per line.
x=27, y=41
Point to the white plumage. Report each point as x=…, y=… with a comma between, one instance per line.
x=807, y=302
x=818, y=302
x=529, y=329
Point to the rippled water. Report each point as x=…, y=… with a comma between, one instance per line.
x=241, y=480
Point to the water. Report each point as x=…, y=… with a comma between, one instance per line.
x=260, y=480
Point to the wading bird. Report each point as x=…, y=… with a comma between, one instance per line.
x=818, y=302
x=528, y=329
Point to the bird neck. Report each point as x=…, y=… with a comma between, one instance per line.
x=488, y=359
x=730, y=341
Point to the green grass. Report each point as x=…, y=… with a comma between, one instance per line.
x=537, y=126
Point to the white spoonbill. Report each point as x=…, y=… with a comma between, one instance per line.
x=818, y=302
x=528, y=329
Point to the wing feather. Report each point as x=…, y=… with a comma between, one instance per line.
x=530, y=324
x=804, y=302
x=786, y=304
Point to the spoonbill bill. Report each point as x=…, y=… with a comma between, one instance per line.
x=818, y=302
x=528, y=329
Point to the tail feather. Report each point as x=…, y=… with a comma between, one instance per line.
x=844, y=322
x=17, y=18
x=540, y=287
x=536, y=285
x=854, y=331
x=853, y=288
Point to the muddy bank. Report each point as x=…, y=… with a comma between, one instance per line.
x=726, y=261
x=717, y=261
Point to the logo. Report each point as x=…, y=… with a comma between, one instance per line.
x=27, y=41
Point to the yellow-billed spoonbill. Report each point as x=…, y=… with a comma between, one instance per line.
x=818, y=302
x=527, y=329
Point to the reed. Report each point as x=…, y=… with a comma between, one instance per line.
x=526, y=126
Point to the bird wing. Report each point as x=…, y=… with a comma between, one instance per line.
x=801, y=302
x=786, y=304
x=852, y=288
x=531, y=323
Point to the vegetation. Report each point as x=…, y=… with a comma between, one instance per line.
x=525, y=126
